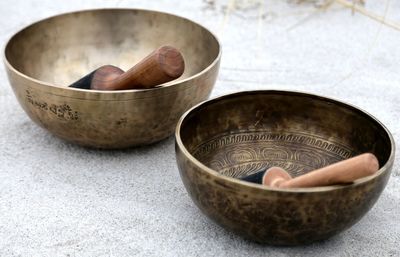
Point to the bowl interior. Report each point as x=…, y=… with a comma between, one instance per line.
x=242, y=133
x=62, y=49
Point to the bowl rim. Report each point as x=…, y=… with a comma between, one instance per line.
x=160, y=87
x=239, y=182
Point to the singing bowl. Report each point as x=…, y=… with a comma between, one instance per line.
x=221, y=140
x=44, y=58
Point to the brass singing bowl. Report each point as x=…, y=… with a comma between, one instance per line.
x=221, y=140
x=44, y=58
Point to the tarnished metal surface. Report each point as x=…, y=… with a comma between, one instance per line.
x=44, y=58
x=239, y=134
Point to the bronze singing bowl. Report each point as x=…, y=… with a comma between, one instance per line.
x=235, y=135
x=44, y=58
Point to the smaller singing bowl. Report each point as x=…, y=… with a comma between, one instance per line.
x=44, y=58
x=221, y=140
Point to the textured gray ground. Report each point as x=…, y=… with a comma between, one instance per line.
x=57, y=199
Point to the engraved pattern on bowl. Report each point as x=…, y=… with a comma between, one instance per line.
x=243, y=153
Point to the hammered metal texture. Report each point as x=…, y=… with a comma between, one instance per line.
x=45, y=57
x=239, y=134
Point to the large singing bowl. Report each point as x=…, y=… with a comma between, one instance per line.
x=44, y=58
x=223, y=139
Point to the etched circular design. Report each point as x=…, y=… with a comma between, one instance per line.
x=244, y=153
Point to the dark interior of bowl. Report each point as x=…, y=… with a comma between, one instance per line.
x=242, y=133
x=64, y=48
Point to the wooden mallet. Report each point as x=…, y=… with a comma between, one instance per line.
x=342, y=172
x=162, y=65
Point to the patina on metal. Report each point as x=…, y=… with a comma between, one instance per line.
x=232, y=136
x=44, y=58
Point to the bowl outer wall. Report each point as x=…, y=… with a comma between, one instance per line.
x=110, y=123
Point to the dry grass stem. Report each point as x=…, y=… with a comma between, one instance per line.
x=360, y=9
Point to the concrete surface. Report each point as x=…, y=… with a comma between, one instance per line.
x=58, y=199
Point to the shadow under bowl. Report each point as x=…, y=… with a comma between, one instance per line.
x=235, y=135
x=44, y=58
